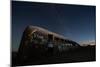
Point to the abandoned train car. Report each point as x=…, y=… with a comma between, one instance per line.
x=37, y=41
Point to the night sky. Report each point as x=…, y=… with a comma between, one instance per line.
x=75, y=22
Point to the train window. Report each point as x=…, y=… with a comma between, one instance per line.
x=43, y=41
x=50, y=44
x=59, y=47
x=39, y=39
x=34, y=35
x=67, y=44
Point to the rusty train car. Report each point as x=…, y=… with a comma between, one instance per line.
x=37, y=41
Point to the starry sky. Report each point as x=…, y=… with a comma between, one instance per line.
x=76, y=22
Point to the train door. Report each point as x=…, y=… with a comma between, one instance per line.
x=50, y=45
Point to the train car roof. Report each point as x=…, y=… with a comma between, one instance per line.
x=45, y=31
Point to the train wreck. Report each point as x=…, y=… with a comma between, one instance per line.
x=37, y=41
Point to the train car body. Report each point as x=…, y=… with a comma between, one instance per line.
x=37, y=41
